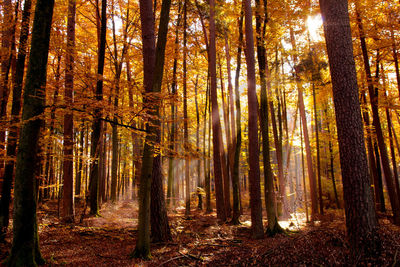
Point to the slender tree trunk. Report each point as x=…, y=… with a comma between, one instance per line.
x=171, y=167
x=254, y=172
x=153, y=64
x=225, y=156
x=321, y=204
x=273, y=225
x=97, y=124
x=15, y=112
x=375, y=177
x=238, y=138
x=79, y=173
x=303, y=172
x=7, y=43
x=394, y=200
x=331, y=163
x=216, y=124
x=68, y=188
x=310, y=168
x=361, y=222
x=25, y=248
x=198, y=182
x=185, y=113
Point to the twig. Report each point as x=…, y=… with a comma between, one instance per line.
x=190, y=256
x=395, y=258
x=172, y=259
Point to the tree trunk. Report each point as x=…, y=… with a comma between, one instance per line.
x=153, y=65
x=394, y=200
x=310, y=168
x=15, y=112
x=225, y=156
x=6, y=55
x=216, y=124
x=25, y=248
x=97, y=124
x=68, y=188
x=361, y=222
x=331, y=165
x=273, y=225
x=185, y=114
x=254, y=172
x=321, y=204
x=238, y=138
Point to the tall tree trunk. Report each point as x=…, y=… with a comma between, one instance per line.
x=68, y=188
x=198, y=182
x=394, y=200
x=25, y=248
x=254, y=172
x=171, y=163
x=375, y=177
x=303, y=171
x=361, y=222
x=153, y=64
x=238, y=133
x=225, y=156
x=216, y=124
x=321, y=204
x=79, y=173
x=185, y=114
x=7, y=43
x=310, y=168
x=331, y=162
x=97, y=124
x=15, y=112
x=273, y=225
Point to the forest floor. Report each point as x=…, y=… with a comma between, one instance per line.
x=109, y=240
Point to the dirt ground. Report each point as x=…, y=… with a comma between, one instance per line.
x=109, y=240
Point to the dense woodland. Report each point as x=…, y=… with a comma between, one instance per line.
x=243, y=117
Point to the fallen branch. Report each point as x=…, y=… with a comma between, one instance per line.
x=187, y=255
x=172, y=259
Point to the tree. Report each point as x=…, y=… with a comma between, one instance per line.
x=238, y=138
x=273, y=225
x=376, y=122
x=254, y=172
x=25, y=248
x=216, y=124
x=68, y=188
x=15, y=112
x=361, y=222
x=97, y=124
x=153, y=65
x=185, y=112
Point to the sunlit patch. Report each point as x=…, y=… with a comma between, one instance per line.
x=246, y=223
x=314, y=25
x=296, y=221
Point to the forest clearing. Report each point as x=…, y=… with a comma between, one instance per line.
x=199, y=132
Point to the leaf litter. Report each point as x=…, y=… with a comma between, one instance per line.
x=108, y=240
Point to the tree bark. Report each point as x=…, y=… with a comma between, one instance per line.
x=238, y=137
x=254, y=172
x=25, y=248
x=216, y=124
x=153, y=65
x=185, y=114
x=68, y=188
x=15, y=112
x=97, y=124
x=273, y=225
x=394, y=200
x=310, y=168
x=361, y=222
